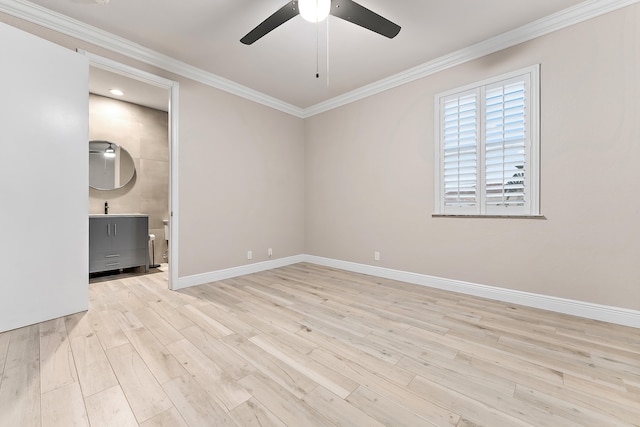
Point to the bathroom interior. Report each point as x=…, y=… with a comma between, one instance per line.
x=139, y=135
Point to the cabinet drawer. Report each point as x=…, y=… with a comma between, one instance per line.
x=104, y=263
x=115, y=261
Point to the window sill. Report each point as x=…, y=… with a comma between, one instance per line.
x=489, y=216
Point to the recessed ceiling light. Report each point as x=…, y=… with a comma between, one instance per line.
x=102, y=1
x=116, y=92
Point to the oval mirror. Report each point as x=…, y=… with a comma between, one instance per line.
x=110, y=166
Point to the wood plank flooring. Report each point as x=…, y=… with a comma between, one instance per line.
x=306, y=345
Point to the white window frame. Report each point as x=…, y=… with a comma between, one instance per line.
x=531, y=207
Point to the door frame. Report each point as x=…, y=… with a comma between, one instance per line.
x=173, y=89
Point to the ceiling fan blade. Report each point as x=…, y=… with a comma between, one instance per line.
x=281, y=16
x=360, y=15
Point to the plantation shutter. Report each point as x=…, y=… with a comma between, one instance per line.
x=505, y=144
x=460, y=151
x=487, y=155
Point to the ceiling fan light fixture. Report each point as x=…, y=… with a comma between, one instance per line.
x=314, y=10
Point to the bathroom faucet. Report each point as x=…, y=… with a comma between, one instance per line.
x=106, y=207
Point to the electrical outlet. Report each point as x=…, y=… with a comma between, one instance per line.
x=270, y=252
x=249, y=255
x=376, y=256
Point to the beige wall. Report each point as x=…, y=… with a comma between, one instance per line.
x=369, y=175
x=144, y=133
x=241, y=181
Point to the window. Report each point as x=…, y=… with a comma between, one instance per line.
x=487, y=147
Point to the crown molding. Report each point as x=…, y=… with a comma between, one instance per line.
x=563, y=19
x=63, y=24
x=46, y=18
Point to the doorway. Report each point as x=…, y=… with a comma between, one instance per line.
x=151, y=99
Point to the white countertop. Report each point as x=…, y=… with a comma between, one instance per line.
x=117, y=215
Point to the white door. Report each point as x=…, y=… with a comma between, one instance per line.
x=43, y=180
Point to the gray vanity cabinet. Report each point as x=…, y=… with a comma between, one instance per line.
x=118, y=241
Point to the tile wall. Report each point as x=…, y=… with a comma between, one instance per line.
x=143, y=132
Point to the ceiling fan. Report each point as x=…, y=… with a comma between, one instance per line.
x=317, y=10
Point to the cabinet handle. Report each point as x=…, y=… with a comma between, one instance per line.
x=115, y=229
x=108, y=229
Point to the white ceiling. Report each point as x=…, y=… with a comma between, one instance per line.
x=206, y=34
x=102, y=81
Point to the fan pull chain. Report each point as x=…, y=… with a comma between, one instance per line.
x=327, y=32
x=317, y=46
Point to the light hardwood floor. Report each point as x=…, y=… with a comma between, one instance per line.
x=311, y=346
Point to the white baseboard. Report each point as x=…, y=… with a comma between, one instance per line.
x=229, y=273
x=605, y=313
x=617, y=315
